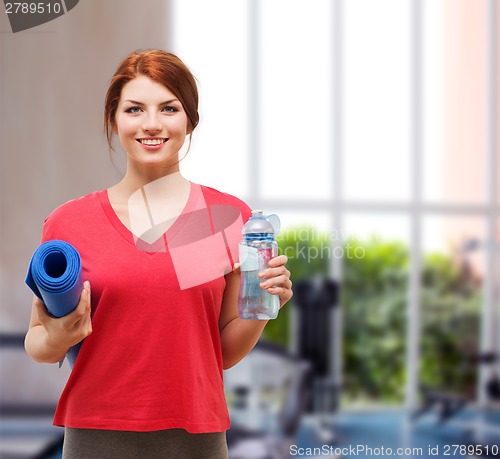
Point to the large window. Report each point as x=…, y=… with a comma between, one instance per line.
x=374, y=123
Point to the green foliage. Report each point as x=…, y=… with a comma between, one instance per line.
x=308, y=251
x=374, y=297
x=308, y=255
x=374, y=309
x=451, y=300
x=375, y=303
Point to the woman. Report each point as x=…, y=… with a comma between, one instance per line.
x=158, y=253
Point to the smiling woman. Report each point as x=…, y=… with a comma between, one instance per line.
x=160, y=252
x=150, y=119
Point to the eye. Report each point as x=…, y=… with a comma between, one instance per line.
x=133, y=110
x=170, y=109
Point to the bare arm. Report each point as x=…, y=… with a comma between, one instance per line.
x=49, y=338
x=239, y=336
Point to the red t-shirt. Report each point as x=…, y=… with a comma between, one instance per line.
x=153, y=360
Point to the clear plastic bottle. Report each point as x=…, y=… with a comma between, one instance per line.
x=256, y=249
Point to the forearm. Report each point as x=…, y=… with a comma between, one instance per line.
x=238, y=338
x=40, y=349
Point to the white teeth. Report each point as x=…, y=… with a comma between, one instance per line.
x=152, y=141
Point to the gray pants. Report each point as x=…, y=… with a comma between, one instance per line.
x=162, y=444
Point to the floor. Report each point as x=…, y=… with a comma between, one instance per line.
x=349, y=434
x=391, y=434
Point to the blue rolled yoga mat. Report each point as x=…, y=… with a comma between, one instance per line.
x=55, y=276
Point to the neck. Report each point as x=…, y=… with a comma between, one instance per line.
x=169, y=184
x=164, y=199
x=138, y=176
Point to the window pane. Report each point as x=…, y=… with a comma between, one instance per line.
x=377, y=99
x=374, y=307
x=432, y=103
x=455, y=101
x=451, y=304
x=213, y=43
x=497, y=104
x=294, y=112
x=496, y=286
x=305, y=239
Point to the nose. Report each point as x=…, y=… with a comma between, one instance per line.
x=152, y=124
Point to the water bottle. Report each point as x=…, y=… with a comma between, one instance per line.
x=255, y=250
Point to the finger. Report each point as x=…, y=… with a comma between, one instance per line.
x=82, y=308
x=236, y=268
x=279, y=281
x=87, y=318
x=41, y=310
x=280, y=260
x=84, y=302
x=274, y=272
x=284, y=294
x=86, y=325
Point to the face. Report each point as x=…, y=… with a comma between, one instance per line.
x=150, y=123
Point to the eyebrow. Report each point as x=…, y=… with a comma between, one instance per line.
x=141, y=103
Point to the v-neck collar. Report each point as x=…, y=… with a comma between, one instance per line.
x=161, y=243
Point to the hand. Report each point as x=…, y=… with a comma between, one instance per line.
x=276, y=278
x=64, y=332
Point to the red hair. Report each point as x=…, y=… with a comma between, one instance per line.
x=162, y=67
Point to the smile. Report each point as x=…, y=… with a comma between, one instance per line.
x=152, y=141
